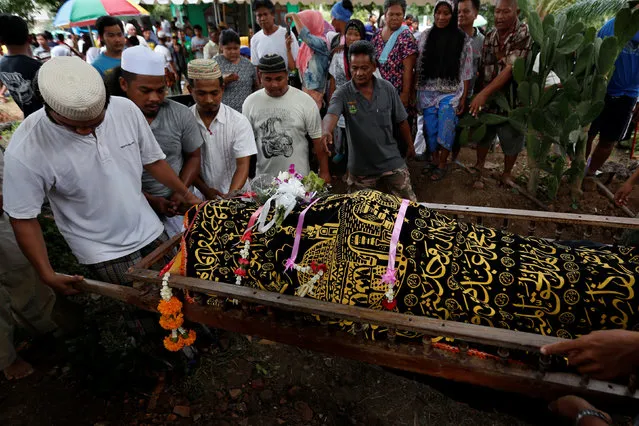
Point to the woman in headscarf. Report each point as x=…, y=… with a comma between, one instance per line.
x=339, y=74
x=396, y=50
x=313, y=57
x=444, y=71
x=240, y=78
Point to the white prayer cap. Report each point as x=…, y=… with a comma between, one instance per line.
x=72, y=88
x=143, y=61
x=129, y=27
x=161, y=34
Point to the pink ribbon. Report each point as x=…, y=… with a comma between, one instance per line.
x=290, y=263
x=389, y=276
x=251, y=223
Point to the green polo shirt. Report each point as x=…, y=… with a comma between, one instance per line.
x=372, y=147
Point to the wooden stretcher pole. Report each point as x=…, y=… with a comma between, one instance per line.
x=431, y=361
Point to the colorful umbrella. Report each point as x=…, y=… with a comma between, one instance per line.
x=80, y=13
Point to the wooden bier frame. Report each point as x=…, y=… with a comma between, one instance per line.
x=419, y=357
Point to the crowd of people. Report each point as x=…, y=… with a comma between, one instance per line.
x=119, y=162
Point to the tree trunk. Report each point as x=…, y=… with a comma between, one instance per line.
x=535, y=157
x=578, y=167
x=533, y=179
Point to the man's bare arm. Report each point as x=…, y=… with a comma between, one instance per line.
x=242, y=167
x=31, y=241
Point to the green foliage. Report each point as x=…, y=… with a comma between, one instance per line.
x=592, y=12
x=157, y=10
x=313, y=183
x=28, y=8
x=559, y=115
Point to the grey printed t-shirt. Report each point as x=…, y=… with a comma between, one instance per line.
x=177, y=132
x=372, y=148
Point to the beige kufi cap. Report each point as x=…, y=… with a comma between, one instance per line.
x=72, y=88
x=204, y=69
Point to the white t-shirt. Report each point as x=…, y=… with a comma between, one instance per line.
x=142, y=41
x=166, y=27
x=280, y=126
x=92, y=54
x=11, y=258
x=164, y=51
x=94, y=184
x=197, y=43
x=262, y=44
x=61, y=50
x=229, y=137
x=210, y=50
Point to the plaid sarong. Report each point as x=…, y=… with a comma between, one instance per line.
x=113, y=271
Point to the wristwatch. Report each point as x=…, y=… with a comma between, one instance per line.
x=591, y=413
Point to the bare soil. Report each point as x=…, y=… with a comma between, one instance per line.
x=9, y=111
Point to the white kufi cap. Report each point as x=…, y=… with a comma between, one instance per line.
x=72, y=88
x=143, y=61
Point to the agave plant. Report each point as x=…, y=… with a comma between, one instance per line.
x=559, y=115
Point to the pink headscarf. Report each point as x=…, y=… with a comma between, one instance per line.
x=313, y=20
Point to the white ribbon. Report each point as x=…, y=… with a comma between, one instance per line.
x=286, y=198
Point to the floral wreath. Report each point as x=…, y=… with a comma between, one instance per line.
x=172, y=318
x=282, y=194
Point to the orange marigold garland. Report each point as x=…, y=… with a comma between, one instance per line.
x=172, y=319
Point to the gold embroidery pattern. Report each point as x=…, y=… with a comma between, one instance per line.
x=446, y=270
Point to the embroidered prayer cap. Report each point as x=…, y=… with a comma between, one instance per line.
x=204, y=69
x=450, y=3
x=272, y=63
x=72, y=88
x=143, y=61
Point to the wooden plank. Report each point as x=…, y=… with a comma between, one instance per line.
x=603, y=188
x=403, y=356
x=158, y=254
x=566, y=218
x=434, y=327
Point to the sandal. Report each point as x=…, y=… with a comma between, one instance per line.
x=438, y=174
x=475, y=171
x=428, y=169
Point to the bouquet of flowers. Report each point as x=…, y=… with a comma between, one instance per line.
x=283, y=193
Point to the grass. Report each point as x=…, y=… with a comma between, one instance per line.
x=5, y=135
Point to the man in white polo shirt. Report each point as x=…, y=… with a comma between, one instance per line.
x=85, y=152
x=228, y=136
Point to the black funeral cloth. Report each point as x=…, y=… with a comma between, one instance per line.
x=445, y=269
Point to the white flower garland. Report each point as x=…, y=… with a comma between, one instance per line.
x=309, y=286
x=244, y=262
x=166, y=293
